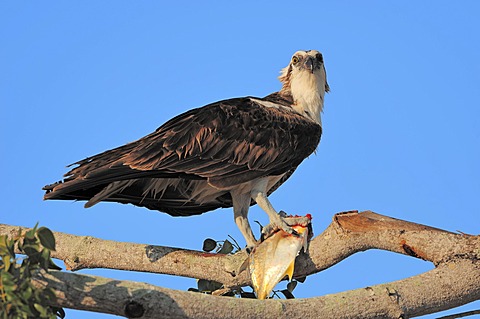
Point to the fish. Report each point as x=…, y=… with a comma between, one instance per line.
x=274, y=258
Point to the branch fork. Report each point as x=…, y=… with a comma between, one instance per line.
x=454, y=281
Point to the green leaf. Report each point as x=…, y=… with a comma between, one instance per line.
x=19, y=297
x=227, y=247
x=291, y=285
x=48, y=294
x=287, y=294
x=41, y=309
x=3, y=243
x=235, y=244
x=52, y=265
x=208, y=285
x=30, y=234
x=30, y=248
x=59, y=312
x=46, y=238
x=249, y=295
x=202, y=285
x=301, y=279
x=20, y=245
x=27, y=293
x=45, y=259
x=33, y=253
x=209, y=245
x=7, y=262
x=229, y=294
x=7, y=246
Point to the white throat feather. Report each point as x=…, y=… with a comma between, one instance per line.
x=306, y=88
x=308, y=92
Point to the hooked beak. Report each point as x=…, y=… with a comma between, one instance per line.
x=309, y=64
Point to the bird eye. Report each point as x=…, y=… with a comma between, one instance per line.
x=295, y=59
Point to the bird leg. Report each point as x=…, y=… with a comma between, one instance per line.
x=276, y=219
x=241, y=204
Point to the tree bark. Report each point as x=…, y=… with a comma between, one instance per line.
x=454, y=281
x=451, y=284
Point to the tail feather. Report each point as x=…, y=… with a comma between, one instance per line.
x=174, y=199
x=109, y=190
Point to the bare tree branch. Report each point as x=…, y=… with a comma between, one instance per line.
x=449, y=285
x=454, y=281
x=348, y=233
x=461, y=315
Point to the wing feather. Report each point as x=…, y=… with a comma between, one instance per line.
x=225, y=143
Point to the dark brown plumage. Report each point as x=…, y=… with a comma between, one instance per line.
x=229, y=153
x=225, y=143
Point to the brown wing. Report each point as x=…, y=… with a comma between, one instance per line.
x=224, y=143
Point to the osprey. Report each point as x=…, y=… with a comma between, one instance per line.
x=229, y=153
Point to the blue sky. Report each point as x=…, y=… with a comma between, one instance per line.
x=401, y=124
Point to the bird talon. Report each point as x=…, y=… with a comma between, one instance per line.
x=196, y=163
x=268, y=230
x=273, y=227
x=282, y=214
x=290, y=230
x=295, y=233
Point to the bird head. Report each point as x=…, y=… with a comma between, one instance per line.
x=305, y=80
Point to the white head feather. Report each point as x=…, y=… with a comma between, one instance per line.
x=305, y=80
